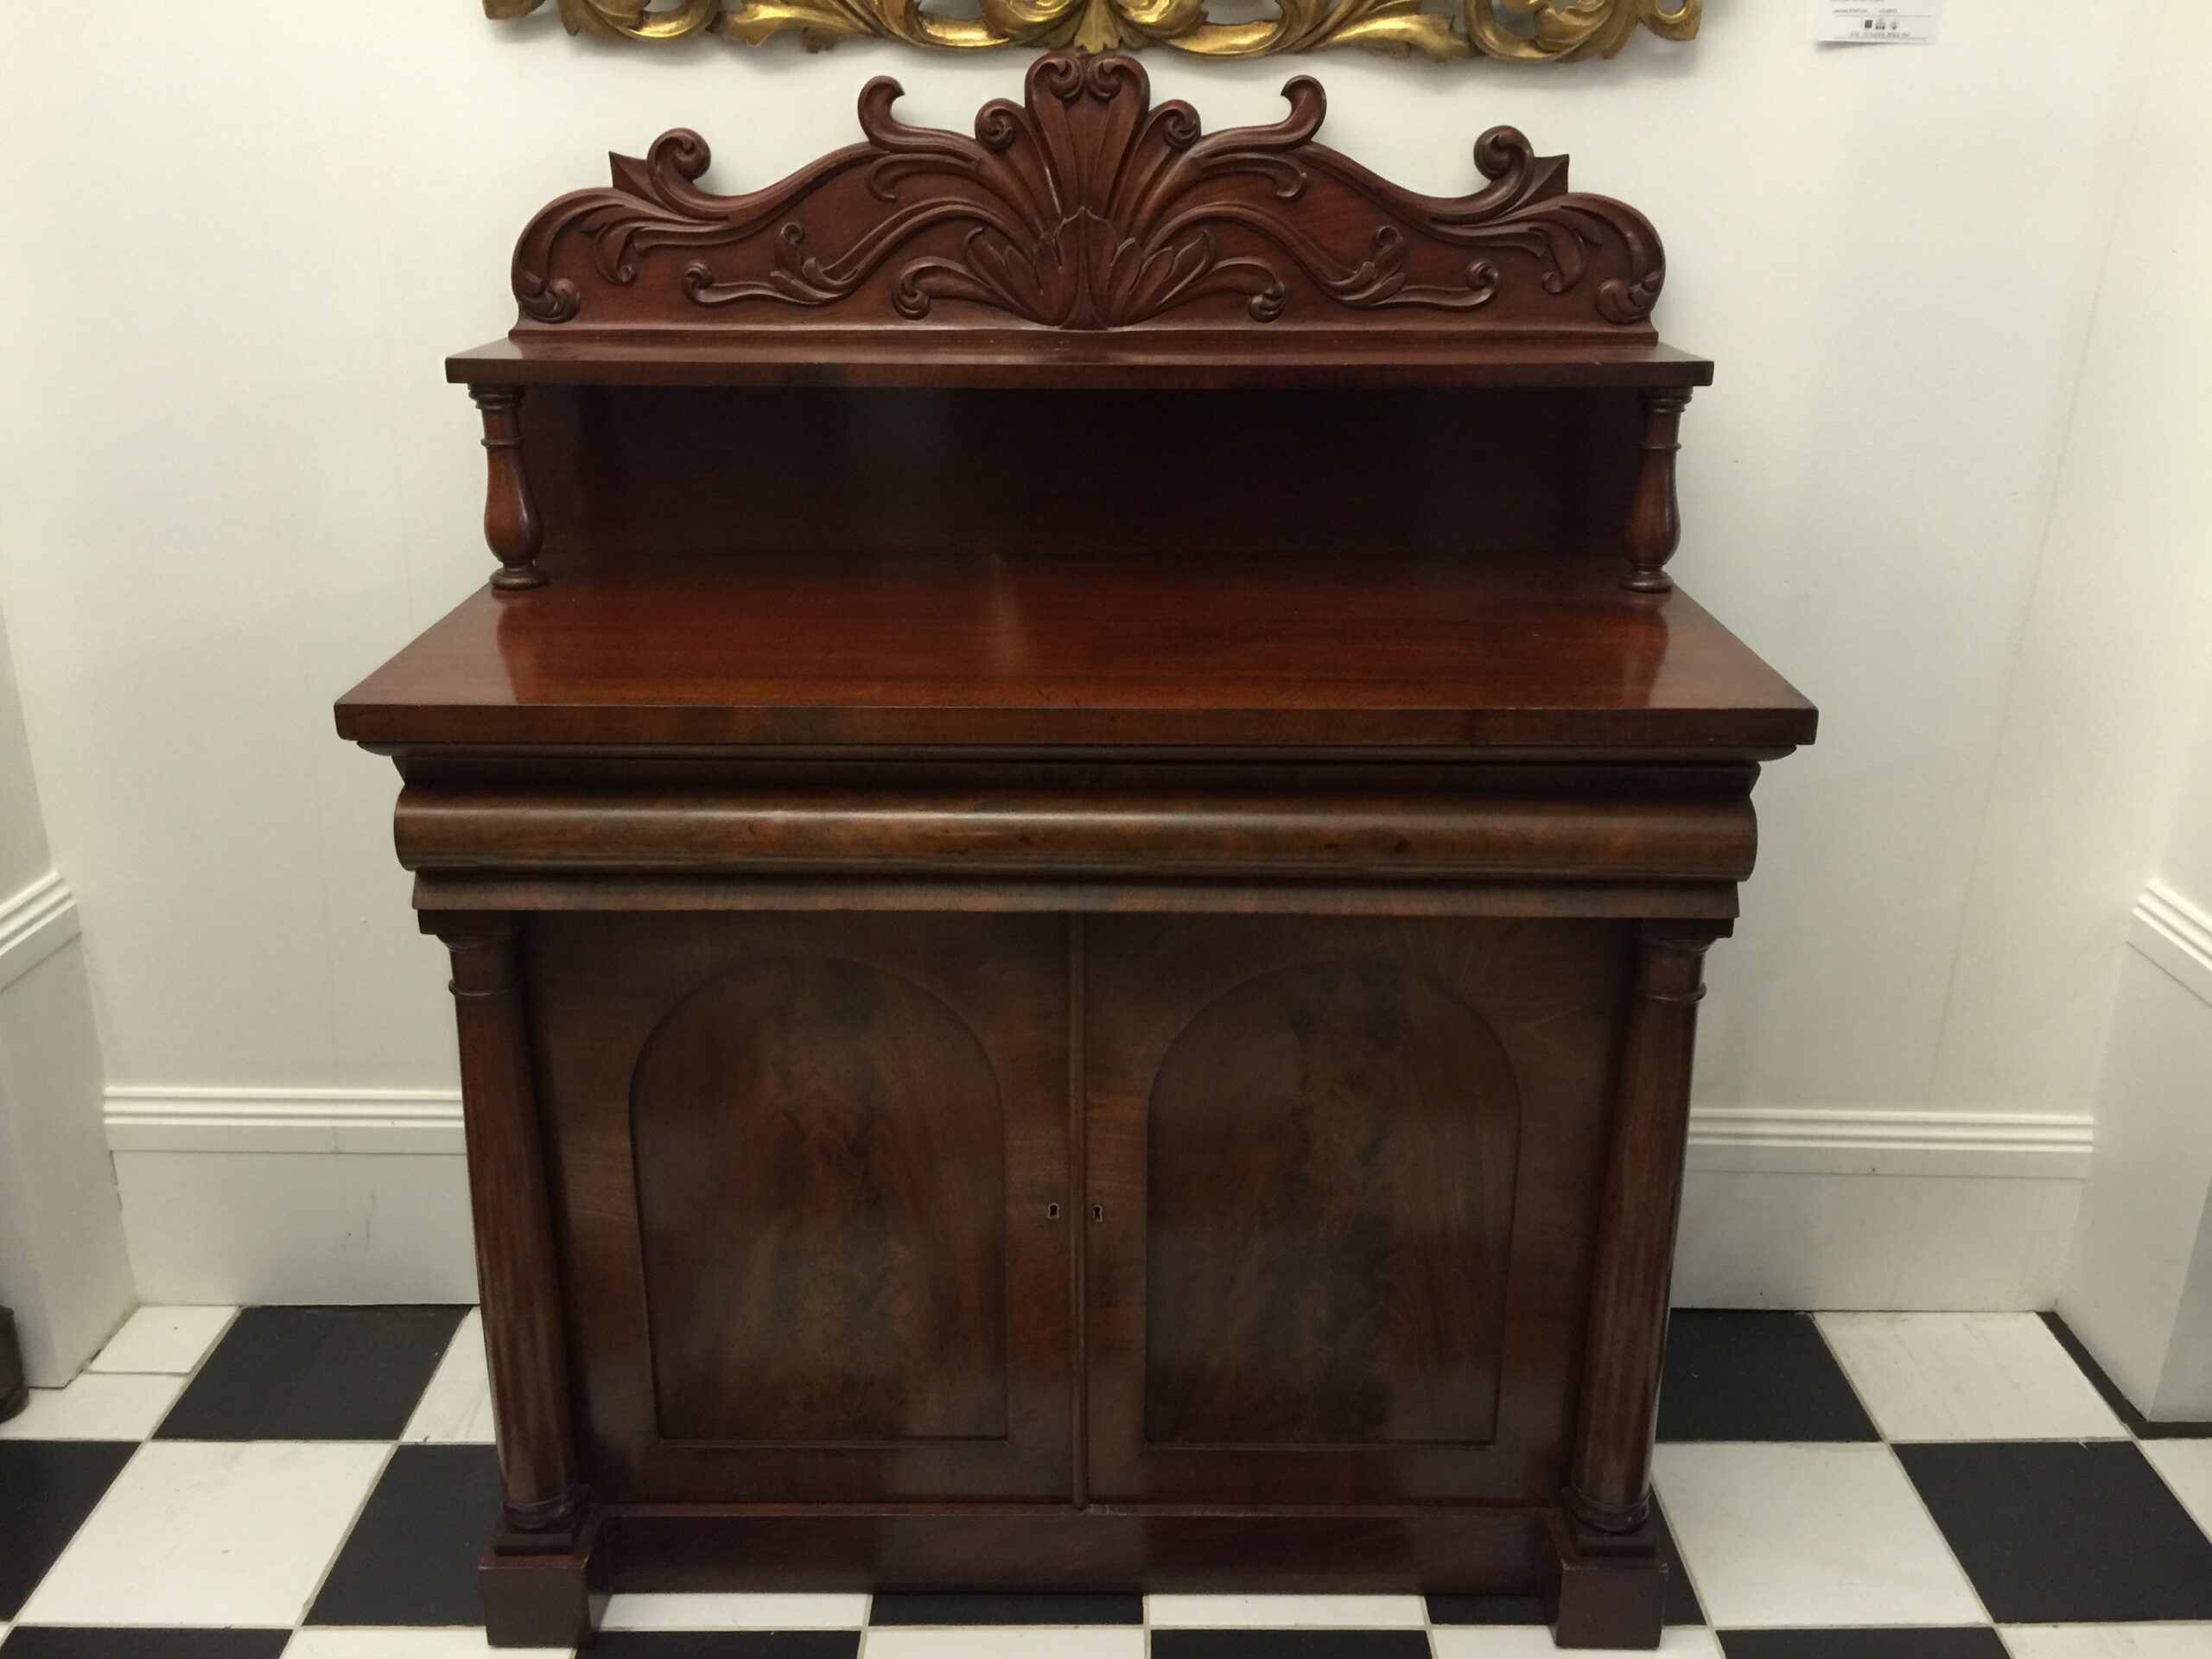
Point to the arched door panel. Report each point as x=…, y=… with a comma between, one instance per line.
x=1340, y=1174
x=814, y=1192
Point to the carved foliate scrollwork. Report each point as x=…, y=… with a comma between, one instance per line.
x=1522, y=30
x=1085, y=206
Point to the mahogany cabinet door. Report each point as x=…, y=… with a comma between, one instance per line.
x=811, y=1180
x=1341, y=1181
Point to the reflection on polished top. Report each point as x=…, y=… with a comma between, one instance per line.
x=823, y=648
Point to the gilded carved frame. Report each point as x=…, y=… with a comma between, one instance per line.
x=1520, y=30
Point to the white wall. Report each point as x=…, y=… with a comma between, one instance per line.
x=2111, y=754
x=236, y=482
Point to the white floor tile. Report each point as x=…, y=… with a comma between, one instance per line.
x=171, y=1339
x=735, y=1613
x=456, y=1408
x=1007, y=1642
x=1967, y=1376
x=1284, y=1612
x=97, y=1405
x=202, y=1533
x=2187, y=1467
x=1534, y=1642
x=406, y=1644
x=2107, y=1641
x=1808, y=1535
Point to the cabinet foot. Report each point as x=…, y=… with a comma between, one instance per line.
x=1605, y=1590
x=544, y=1598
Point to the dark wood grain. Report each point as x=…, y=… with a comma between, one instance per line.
x=1000, y=359
x=813, y=649
x=621, y=476
x=512, y=526
x=842, y=1127
x=1272, y=1101
x=1329, y=1204
x=1654, y=516
x=518, y=1277
x=1082, y=209
x=1610, y=1490
x=1077, y=830
x=816, y=1172
x=1394, y=837
x=1436, y=1547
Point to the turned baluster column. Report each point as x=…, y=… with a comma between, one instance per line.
x=517, y=1272
x=1654, y=518
x=510, y=522
x=1609, y=1488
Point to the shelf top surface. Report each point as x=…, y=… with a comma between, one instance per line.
x=834, y=650
x=1073, y=359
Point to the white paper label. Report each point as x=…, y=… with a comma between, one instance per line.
x=1876, y=23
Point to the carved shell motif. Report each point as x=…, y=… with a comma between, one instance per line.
x=1084, y=208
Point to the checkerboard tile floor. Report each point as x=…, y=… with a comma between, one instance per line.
x=316, y=1483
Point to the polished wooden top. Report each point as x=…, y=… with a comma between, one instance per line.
x=985, y=649
x=1065, y=361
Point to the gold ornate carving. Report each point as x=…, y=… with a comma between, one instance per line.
x=1521, y=30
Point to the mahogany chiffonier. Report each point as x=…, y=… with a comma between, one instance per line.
x=1076, y=834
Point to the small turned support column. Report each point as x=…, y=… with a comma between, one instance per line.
x=516, y=1269
x=1655, y=518
x=510, y=522
x=1610, y=1491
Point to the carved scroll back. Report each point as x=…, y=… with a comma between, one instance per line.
x=1085, y=206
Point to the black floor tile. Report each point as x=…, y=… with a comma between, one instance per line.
x=727, y=1644
x=2137, y=1424
x=1290, y=1644
x=411, y=1558
x=1966, y=1641
x=1755, y=1376
x=2056, y=1533
x=313, y=1374
x=954, y=1609
x=1485, y=1609
x=47, y=1489
x=54, y=1642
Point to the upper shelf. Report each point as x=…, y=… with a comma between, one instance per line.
x=1086, y=238
x=1024, y=358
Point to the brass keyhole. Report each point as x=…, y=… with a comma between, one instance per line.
x=1052, y=1212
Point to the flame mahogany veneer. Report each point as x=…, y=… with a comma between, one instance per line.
x=1076, y=834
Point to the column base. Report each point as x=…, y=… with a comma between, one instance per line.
x=544, y=1598
x=1605, y=1590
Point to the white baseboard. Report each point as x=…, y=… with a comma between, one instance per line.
x=1802, y=1140
x=33, y=925
x=2173, y=932
x=1822, y=1140
x=262, y=1227
x=248, y=1194
x=1888, y=1243
x=358, y=1121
